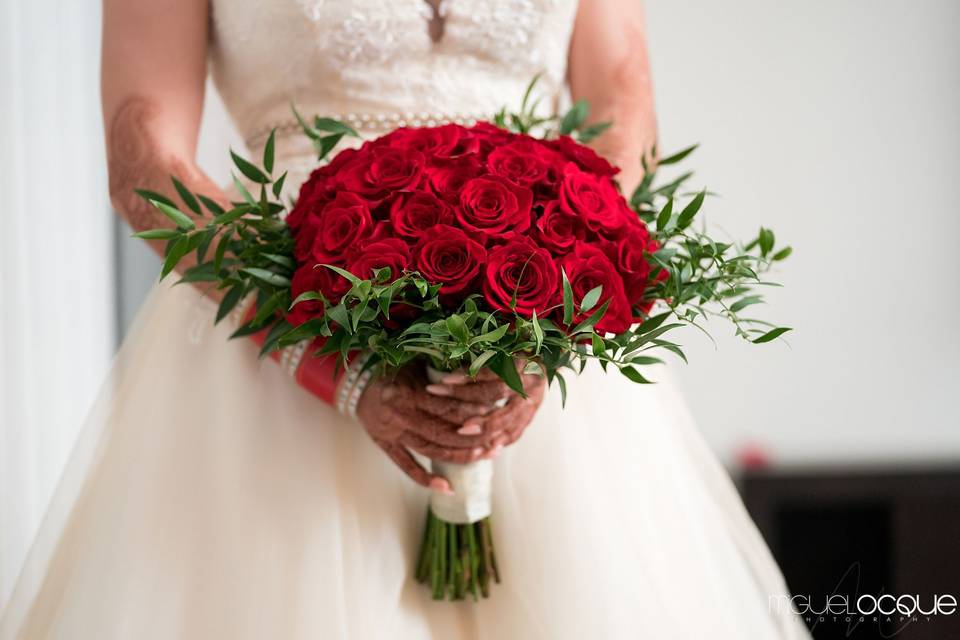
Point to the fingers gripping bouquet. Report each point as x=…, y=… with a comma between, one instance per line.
x=502, y=248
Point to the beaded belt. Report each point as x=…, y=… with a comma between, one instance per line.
x=374, y=122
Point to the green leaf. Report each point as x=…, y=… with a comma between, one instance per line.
x=278, y=185
x=633, y=375
x=249, y=169
x=186, y=196
x=590, y=322
x=179, y=218
x=567, y=299
x=664, y=218
x=678, y=156
x=745, y=302
x=783, y=254
x=338, y=313
x=689, y=211
x=229, y=301
x=491, y=336
x=458, y=328
x=157, y=234
x=283, y=261
x=591, y=298
x=773, y=334
x=334, y=126
x=504, y=367
x=574, y=117
x=563, y=389
x=481, y=360
x=221, y=251
x=242, y=190
x=234, y=214
x=270, y=342
x=176, y=251
x=309, y=329
x=594, y=130
x=326, y=144
x=307, y=129
x=653, y=322
x=354, y=280
x=537, y=330
x=211, y=206
x=150, y=196
x=268, y=151
x=766, y=240
x=267, y=276
x=307, y=296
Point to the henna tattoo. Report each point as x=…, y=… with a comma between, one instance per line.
x=131, y=159
x=136, y=160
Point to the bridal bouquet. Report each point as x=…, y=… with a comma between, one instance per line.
x=473, y=247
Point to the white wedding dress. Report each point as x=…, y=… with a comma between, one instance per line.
x=210, y=497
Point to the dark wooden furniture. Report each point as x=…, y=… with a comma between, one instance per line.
x=864, y=531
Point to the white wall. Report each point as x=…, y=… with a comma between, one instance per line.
x=56, y=255
x=836, y=122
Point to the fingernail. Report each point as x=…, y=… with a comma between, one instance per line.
x=478, y=451
x=441, y=485
x=494, y=452
x=455, y=378
x=439, y=390
x=469, y=429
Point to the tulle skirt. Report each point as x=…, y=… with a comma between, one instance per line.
x=210, y=497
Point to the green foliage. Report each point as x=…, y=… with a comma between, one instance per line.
x=694, y=277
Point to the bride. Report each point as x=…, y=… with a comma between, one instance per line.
x=211, y=496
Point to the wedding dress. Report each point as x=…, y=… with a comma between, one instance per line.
x=210, y=497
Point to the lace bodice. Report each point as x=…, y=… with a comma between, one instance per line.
x=375, y=59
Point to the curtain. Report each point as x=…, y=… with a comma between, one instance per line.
x=57, y=318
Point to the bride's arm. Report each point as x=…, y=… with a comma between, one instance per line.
x=153, y=69
x=609, y=67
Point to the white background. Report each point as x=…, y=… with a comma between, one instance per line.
x=836, y=123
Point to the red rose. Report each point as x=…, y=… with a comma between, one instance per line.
x=522, y=274
x=585, y=157
x=494, y=206
x=587, y=268
x=317, y=190
x=594, y=200
x=629, y=256
x=341, y=224
x=558, y=230
x=390, y=252
x=491, y=136
x=523, y=162
x=309, y=277
x=378, y=171
x=448, y=177
x=447, y=141
x=412, y=214
x=447, y=256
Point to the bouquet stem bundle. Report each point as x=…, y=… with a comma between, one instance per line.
x=457, y=559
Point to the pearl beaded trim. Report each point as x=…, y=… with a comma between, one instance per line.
x=376, y=122
x=351, y=387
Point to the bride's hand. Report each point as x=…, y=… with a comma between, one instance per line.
x=505, y=424
x=460, y=425
x=400, y=415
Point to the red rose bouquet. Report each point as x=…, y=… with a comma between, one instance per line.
x=469, y=247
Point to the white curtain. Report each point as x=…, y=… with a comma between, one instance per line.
x=57, y=327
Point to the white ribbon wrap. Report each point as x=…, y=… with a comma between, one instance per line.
x=472, y=484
